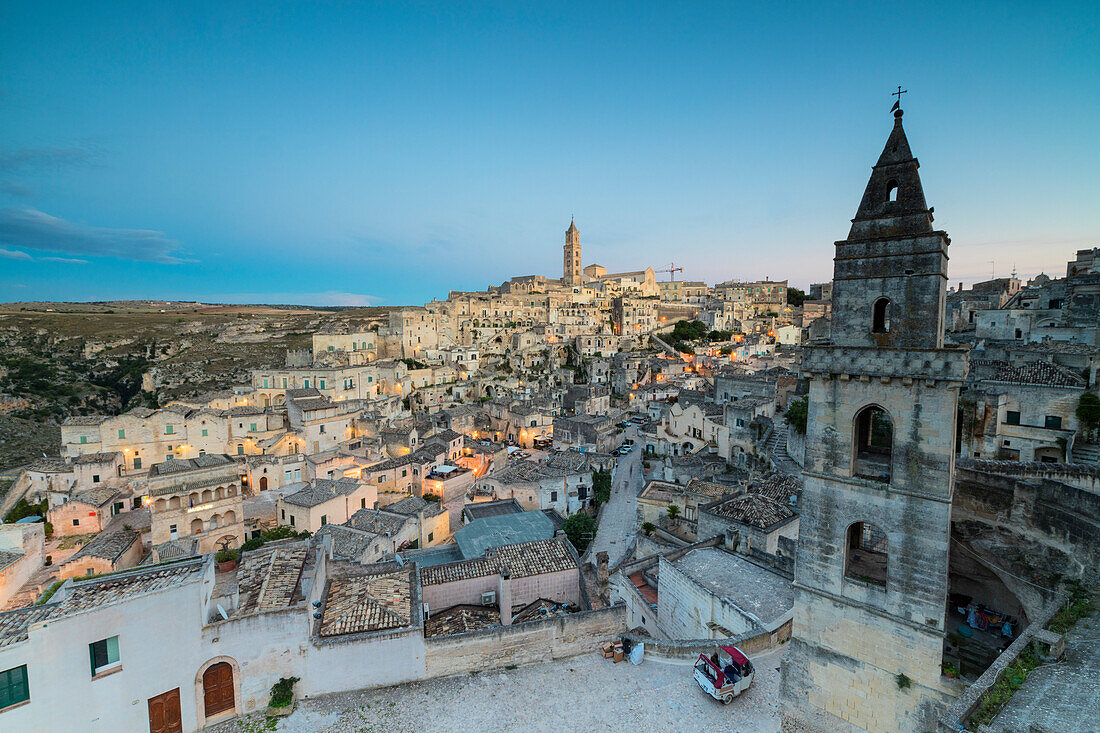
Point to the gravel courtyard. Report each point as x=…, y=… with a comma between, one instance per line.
x=583, y=693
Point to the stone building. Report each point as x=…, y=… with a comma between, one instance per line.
x=713, y=594
x=871, y=573
x=323, y=501
x=106, y=553
x=197, y=499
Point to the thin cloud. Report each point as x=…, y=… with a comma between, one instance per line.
x=17, y=190
x=33, y=229
x=66, y=260
x=12, y=254
x=25, y=158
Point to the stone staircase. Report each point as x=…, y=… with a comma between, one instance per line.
x=776, y=449
x=1086, y=453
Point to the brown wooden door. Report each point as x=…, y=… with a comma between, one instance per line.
x=263, y=483
x=164, y=713
x=217, y=689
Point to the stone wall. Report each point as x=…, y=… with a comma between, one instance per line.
x=1062, y=518
x=751, y=643
x=535, y=641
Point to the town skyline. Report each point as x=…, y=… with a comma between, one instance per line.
x=324, y=172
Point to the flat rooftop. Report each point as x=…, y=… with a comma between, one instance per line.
x=761, y=593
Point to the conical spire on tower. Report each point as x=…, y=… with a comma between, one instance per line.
x=893, y=203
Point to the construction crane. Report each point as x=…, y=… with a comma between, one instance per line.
x=672, y=269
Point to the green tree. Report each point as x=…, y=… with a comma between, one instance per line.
x=797, y=412
x=580, y=529
x=601, y=486
x=648, y=528
x=673, y=512
x=795, y=297
x=1088, y=412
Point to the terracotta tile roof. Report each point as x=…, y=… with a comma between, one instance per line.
x=756, y=510
x=95, y=458
x=533, y=558
x=320, y=490
x=377, y=522
x=268, y=577
x=96, y=497
x=777, y=486
x=347, y=542
x=461, y=570
x=361, y=603
x=1037, y=372
x=461, y=619
x=85, y=420
x=83, y=594
x=107, y=545
x=9, y=558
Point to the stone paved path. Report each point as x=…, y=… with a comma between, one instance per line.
x=585, y=693
x=617, y=525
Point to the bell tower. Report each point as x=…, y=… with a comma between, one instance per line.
x=872, y=560
x=571, y=272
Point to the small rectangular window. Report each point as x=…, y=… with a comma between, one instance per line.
x=76, y=522
x=95, y=478
x=169, y=429
x=83, y=439
x=122, y=433
x=431, y=536
x=204, y=432
x=13, y=686
x=252, y=427
x=291, y=520
x=137, y=462
x=104, y=655
x=284, y=513
x=1053, y=422
x=1012, y=417
x=362, y=503
x=324, y=519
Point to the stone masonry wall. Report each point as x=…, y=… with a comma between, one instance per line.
x=535, y=641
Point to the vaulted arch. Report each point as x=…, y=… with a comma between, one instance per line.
x=872, y=443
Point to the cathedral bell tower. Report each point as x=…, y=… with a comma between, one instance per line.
x=572, y=270
x=872, y=561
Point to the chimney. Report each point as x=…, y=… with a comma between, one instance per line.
x=601, y=568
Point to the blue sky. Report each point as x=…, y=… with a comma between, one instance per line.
x=342, y=153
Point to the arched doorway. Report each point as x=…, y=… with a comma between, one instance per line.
x=217, y=689
x=263, y=483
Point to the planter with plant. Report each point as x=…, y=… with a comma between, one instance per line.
x=227, y=559
x=950, y=671
x=282, y=697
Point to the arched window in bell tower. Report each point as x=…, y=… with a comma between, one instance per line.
x=866, y=554
x=880, y=316
x=872, y=444
x=891, y=190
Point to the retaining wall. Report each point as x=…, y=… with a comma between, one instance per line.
x=534, y=641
